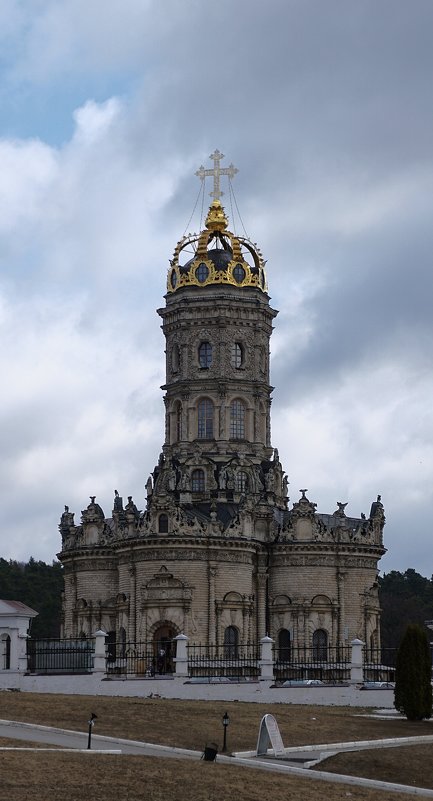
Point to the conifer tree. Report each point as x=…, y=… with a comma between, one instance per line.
x=413, y=690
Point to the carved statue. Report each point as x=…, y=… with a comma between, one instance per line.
x=131, y=508
x=118, y=502
x=223, y=478
x=171, y=480
x=149, y=488
x=270, y=480
x=184, y=482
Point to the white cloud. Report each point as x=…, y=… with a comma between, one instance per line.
x=334, y=151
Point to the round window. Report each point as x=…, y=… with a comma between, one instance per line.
x=202, y=272
x=239, y=273
x=173, y=279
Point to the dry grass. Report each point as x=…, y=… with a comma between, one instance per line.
x=406, y=765
x=51, y=777
x=190, y=724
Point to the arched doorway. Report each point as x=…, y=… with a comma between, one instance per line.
x=164, y=649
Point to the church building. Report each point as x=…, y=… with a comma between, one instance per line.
x=218, y=553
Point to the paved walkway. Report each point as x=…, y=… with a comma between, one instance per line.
x=304, y=754
x=78, y=740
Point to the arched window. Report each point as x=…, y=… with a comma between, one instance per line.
x=197, y=481
x=284, y=645
x=236, y=357
x=205, y=419
x=241, y=481
x=205, y=354
x=231, y=642
x=320, y=645
x=163, y=524
x=237, y=420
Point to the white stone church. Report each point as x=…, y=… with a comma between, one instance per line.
x=218, y=554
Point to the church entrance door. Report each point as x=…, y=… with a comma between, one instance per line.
x=164, y=649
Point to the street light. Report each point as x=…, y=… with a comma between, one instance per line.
x=226, y=721
x=91, y=723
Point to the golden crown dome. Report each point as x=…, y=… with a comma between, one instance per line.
x=219, y=257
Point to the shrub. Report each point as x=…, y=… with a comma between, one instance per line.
x=413, y=690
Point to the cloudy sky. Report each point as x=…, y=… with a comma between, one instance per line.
x=107, y=109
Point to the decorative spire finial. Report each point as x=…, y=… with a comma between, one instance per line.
x=216, y=172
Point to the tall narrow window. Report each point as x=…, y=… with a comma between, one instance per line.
x=237, y=420
x=205, y=419
x=205, y=354
x=241, y=481
x=320, y=645
x=231, y=642
x=197, y=481
x=236, y=356
x=163, y=524
x=110, y=646
x=284, y=645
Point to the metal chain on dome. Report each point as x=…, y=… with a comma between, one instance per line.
x=200, y=191
x=202, y=206
x=231, y=207
x=232, y=192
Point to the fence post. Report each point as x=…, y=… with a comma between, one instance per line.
x=19, y=652
x=99, y=652
x=266, y=661
x=356, y=664
x=181, y=658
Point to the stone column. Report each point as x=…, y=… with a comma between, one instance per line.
x=341, y=610
x=261, y=604
x=99, y=665
x=266, y=660
x=213, y=570
x=19, y=652
x=181, y=658
x=356, y=666
x=295, y=627
x=245, y=618
x=132, y=620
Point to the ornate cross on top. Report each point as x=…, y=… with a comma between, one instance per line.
x=217, y=171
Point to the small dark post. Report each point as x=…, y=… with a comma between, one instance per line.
x=226, y=721
x=91, y=723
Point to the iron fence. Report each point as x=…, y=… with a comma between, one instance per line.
x=379, y=664
x=229, y=661
x=139, y=659
x=301, y=664
x=60, y=656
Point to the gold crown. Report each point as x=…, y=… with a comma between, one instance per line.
x=226, y=263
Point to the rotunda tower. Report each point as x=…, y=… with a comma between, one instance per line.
x=217, y=322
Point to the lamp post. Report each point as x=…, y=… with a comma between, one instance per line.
x=91, y=723
x=226, y=721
